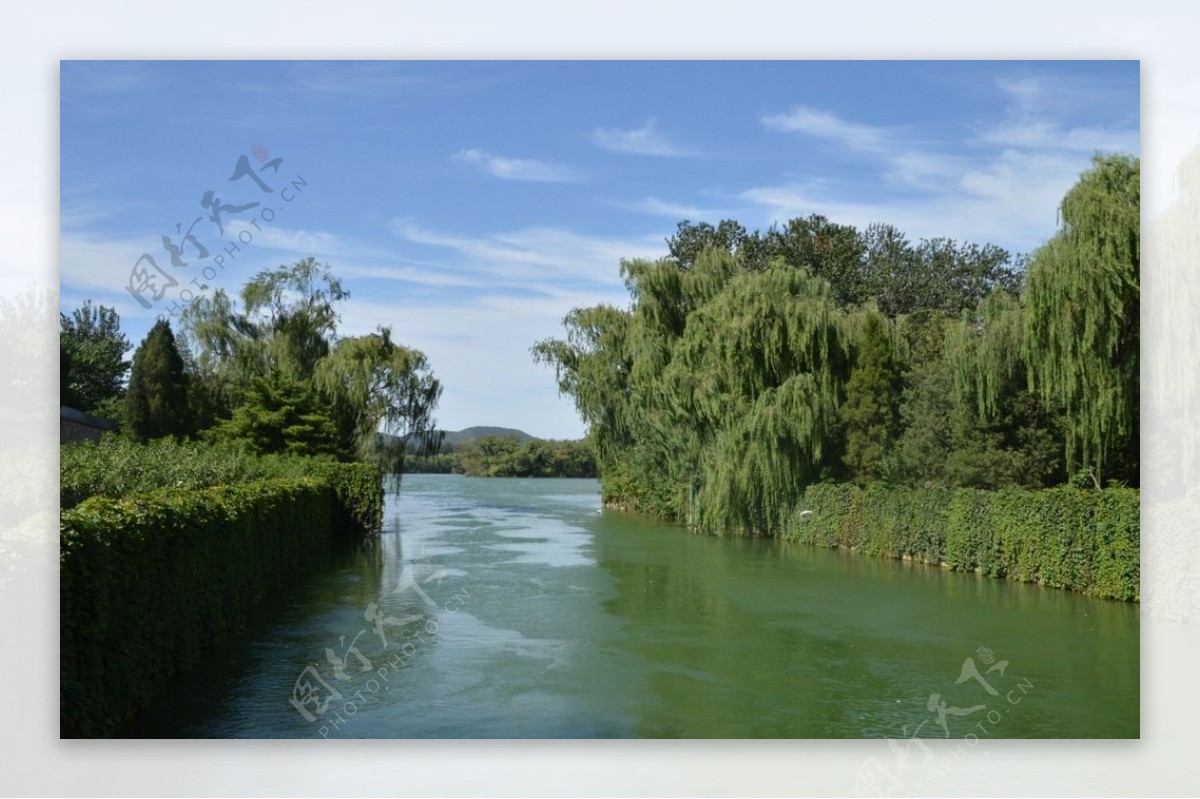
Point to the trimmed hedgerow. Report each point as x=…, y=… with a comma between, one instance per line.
x=359, y=491
x=148, y=583
x=120, y=467
x=1082, y=540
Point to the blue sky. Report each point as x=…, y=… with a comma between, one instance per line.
x=470, y=205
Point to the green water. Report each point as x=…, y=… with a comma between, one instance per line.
x=519, y=608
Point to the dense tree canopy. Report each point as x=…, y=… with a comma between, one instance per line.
x=749, y=365
x=280, y=353
x=92, y=363
x=1073, y=336
x=878, y=263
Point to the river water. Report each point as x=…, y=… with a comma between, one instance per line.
x=512, y=608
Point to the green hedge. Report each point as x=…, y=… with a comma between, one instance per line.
x=120, y=467
x=150, y=582
x=359, y=491
x=1082, y=540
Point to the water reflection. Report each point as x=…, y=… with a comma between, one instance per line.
x=766, y=639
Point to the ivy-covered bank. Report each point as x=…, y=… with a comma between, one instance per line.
x=151, y=581
x=1081, y=540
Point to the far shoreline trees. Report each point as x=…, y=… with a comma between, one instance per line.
x=508, y=456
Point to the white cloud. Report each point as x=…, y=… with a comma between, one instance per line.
x=1002, y=182
x=903, y=164
x=823, y=125
x=479, y=350
x=300, y=242
x=646, y=140
x=516, y=168
x=659, y=207
x=1041, y=111
x=1025, y=93
x=423, y=275
x=479, y=342
x=1046, y=135
x=538, y=256
x=1010, y=200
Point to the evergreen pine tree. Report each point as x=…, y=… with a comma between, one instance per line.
x=156, y=403
x=281, y=415
x=871, y=413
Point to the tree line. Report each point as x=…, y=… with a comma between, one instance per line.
x=748, y=366
x=506, y=456
x=270, y=371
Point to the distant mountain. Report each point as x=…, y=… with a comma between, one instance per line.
x=457, y=438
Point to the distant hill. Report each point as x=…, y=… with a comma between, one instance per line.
x=457, y=438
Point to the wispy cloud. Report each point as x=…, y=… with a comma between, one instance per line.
x=301, y=242
x=824, y=125
x=999, y=180
x=1025, y=93
x=1044, y=135
x=658, y=207
x=516, y=168
x=1038, y=118
x=479, y=341
x=903, y=164
x=646, y=140
x=1009, y=200
x=537, y=257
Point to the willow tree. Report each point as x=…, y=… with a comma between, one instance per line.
x=755, y=380
x=714, y=397
x=999, y=432
x=287, y=322
x=382, y=396
x=1081, y=321
x=667, y=298
x=984, y=349
x=379, y=394
x=592, y=366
